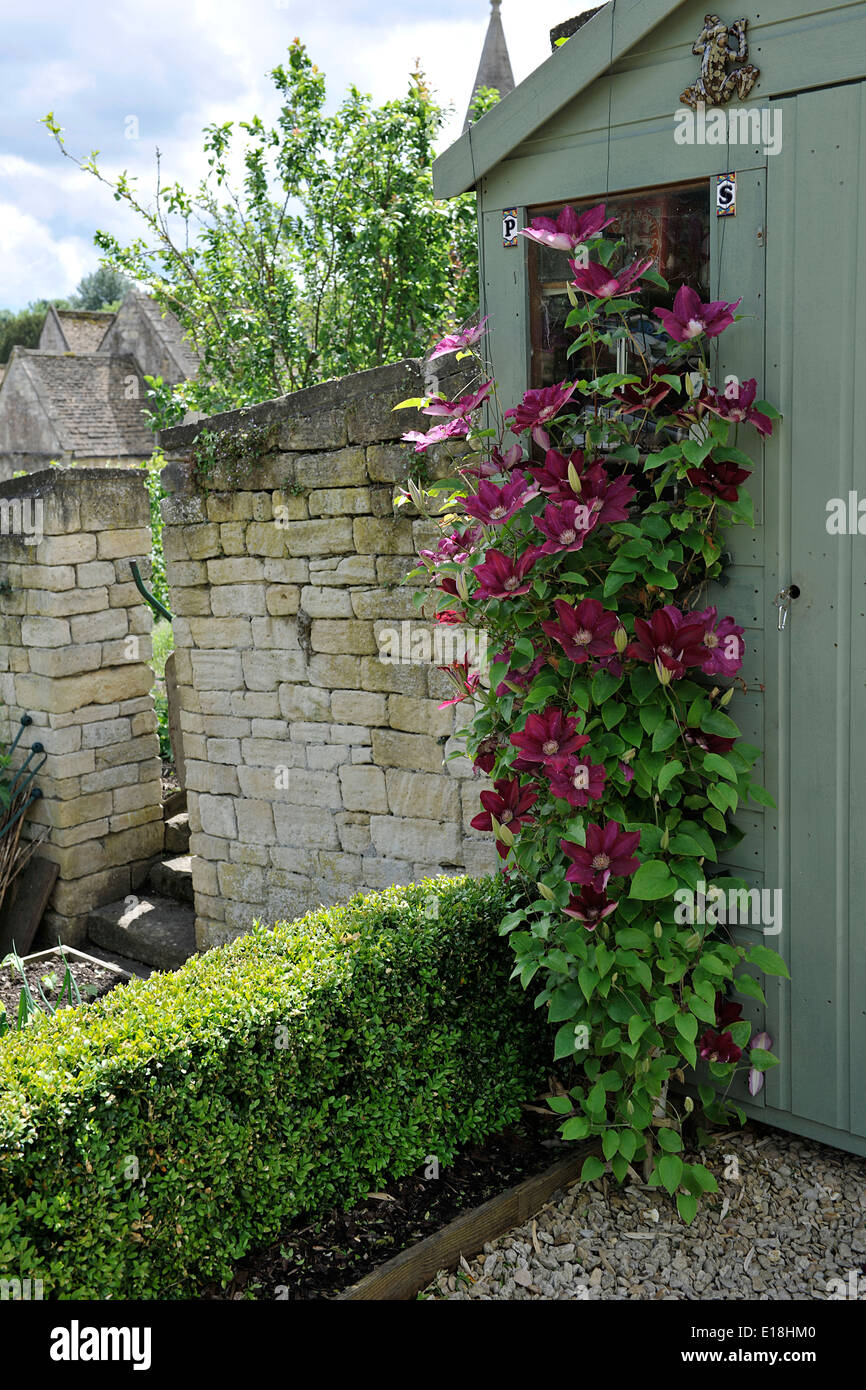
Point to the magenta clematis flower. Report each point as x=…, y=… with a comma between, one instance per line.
x=565, y=527
x=452, y=342
x=569, y=230
x=449, y=617
x=608, y=853
x=549, y=738
x=458, y=409
x=710, y=743
x=718, y=1047
x=501, y=577
x=720, y=480
x=727, y=1012
x=578, y=781
x=485, y=754
x=627, y=771
x=641, y=395
x=538, y=407
x=598, y=282
x=736, y=404
x=455, y=547
x=552, y=478
x=669, y=641
x=584, y=631
x=465, y=682
x=690, y=317
x=723, y=642
x=589, y=907
x=494, y=505
x=452, y=429
x=607, y=498
x=509, y=803
x=521, y=676
x=764, y=1043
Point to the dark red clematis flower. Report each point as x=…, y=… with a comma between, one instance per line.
x=449, y=616
x=521, y=676
x=565, y=527
x=600, y=283
x=494, y=504
x=720, y=480
x=642, y=395
x=549, y=737
x=578, y=781
x=569, y=230
x=539, y=406
x=485, y=754
x=727, y=1012
x=607, y=498
x=589, y=907
x=501, y=577
x=553, y=477
x=509, y=803
x=690, y=318
x=723, y=644
x=718, y=1047
x=584, y=631
x=736, y=404
x=608, y=853
x=669, y=641
x=710, y=743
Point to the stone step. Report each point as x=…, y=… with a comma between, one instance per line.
x=172, y=878
x=153, y=930
x=133, y=967
x=177, y=834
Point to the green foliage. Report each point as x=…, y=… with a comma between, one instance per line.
x=323, y=260
x=23, y=328
x=101, y=289
x=163, y=644
x=156, y=492
x=484, y=100
x=285, y=1073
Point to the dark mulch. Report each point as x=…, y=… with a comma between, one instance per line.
x=319, y=1259
x=92, y=980
x=169, y=779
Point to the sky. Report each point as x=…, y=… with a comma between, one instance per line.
x=125, y=78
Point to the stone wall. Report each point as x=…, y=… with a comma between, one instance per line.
x=74, y=646
x=313, y=767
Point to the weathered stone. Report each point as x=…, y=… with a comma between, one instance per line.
x=423, y=795
x=330, y=537
x=282, y=600
x=116, y=545
x=340, y=501
x=379, y=536
x=233, y=599
x=217, y=815
x=417, y=752
x=324, y=429
x=358, y=707
x=389, y=463
x=318, y=602
x=414, y=839
x=342, y=468
x=304, y=702
x=364, y=789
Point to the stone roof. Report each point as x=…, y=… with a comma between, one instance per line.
x=172, y=334
x=494, y=70
x=571, y=26
x=93, y=399
x=84, y=329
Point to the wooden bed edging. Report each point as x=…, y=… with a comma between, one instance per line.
x=402, y=1276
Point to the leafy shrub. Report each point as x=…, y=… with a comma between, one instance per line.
x=581, y=547
x=284, y=1073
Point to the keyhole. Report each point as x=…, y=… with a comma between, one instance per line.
x=794, y=591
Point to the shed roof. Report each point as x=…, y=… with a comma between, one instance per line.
x=84, y=329
x=599, y=44
x=86, y=397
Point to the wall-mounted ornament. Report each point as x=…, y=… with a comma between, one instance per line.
x=716, y=85
x=509, y=226
x=726, y=195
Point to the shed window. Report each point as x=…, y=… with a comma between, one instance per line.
x=670, y=224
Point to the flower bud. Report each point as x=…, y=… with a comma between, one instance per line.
x=502, y=832
x=726, y=698
x=688, y=1105
x=462, y=587
x=665, y=840
x=574, y=478
x=620, y=639
x=714, y=692
x=662, y=672
x=693, y=941
x=546, y=892
x=657, y=931
x=627, y=756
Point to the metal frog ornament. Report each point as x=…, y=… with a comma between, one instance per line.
x=715, y=85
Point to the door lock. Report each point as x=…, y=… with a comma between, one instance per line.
x=782, y=601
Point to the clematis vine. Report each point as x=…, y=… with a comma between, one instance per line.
x=501, y=576
x=564, y=527
x=669, y=642
x=549, y=738
x=583, y=632
x=509, y=804
x=578, y=781
x=721, y=480
x=723, y=642
x=608, y=853
x=465, y=681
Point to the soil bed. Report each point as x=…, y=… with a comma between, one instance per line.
x=319, y=1259
x=93, y=981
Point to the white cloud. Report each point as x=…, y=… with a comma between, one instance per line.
x=34, y=263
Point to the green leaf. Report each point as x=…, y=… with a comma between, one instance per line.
x=610, y=1144
x=666, y=734
x=563, y=1044
x=761, y=795
x=761, y=1059
x=687, y=1026
x=687, y=1206
x=652, y=881
x=744, y=984
x=668, y=773
x=670, y=1170
x=576, y=1128
x=603, y=686
x=713, y=762
x=669, y=1140
x=651, y=716
x=664, y=1008
x=715, y=721
x=564, y=1003
x=592, y=1169
x=767, y=961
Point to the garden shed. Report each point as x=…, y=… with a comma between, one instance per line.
x=731, y=148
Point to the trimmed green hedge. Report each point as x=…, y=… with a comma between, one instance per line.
x=285, y=1073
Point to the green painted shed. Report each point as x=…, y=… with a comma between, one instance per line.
x=603, y=119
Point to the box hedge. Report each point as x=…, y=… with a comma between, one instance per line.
x=150, y=1140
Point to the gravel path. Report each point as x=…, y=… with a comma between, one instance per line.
x=789, y=1217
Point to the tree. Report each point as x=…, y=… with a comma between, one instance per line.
x=327, y=257
x=24, y=327
x=101, y=289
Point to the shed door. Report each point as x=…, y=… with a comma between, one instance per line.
x=816, y=372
